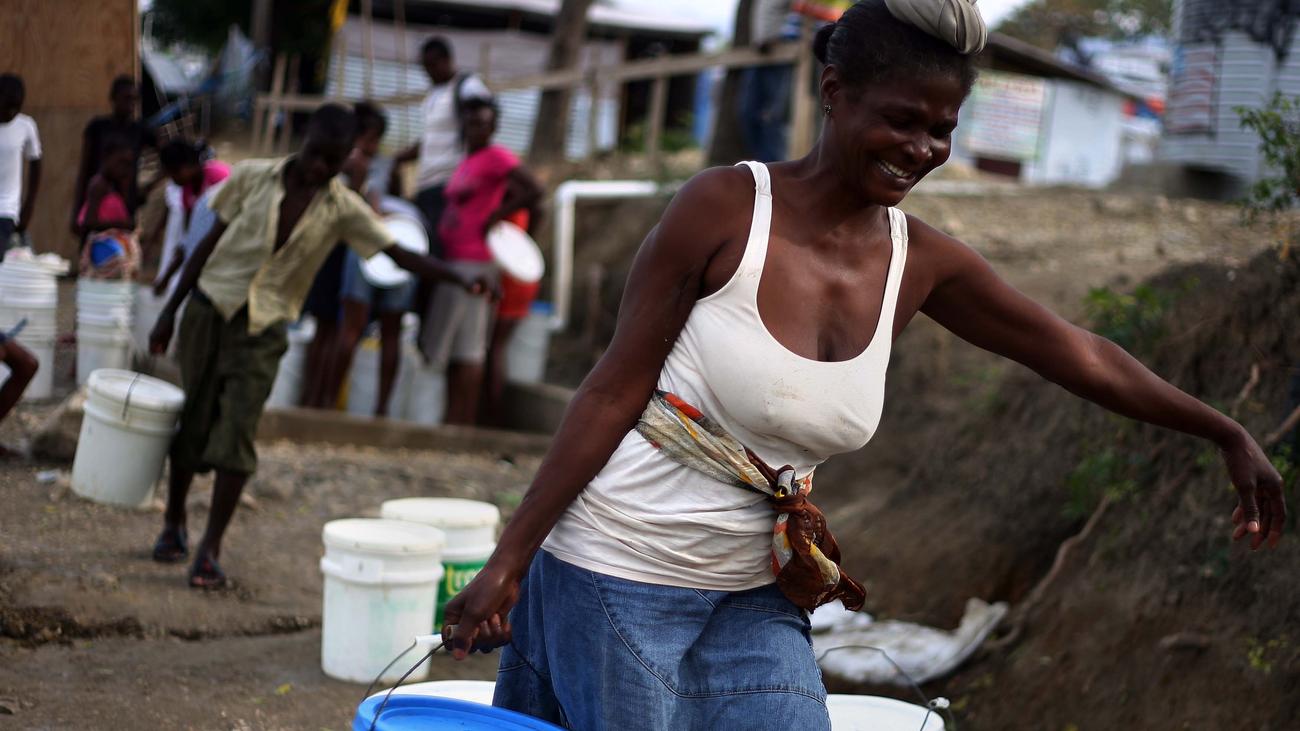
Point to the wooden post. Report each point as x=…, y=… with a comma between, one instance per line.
x=286, y=129
x=341, y=60
x=399, y=17
x=485, y=61
x=803, y=103
x=367, y=21
x=264, y=133
x=655, y=117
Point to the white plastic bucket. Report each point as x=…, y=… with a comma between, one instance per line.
x=363, y=378
x=426, y=392
x=876, y=713
x=99, y=348
x=529, y=346
x=125, y=434
x=470, y=527
x=42, y=385
x=381, y=586
x=147, y=308
x=286, y=390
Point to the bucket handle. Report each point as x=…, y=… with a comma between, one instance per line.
x=126, y=402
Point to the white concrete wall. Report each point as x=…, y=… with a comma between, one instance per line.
x=1082, y=137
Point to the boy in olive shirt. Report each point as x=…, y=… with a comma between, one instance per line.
x=247, y=279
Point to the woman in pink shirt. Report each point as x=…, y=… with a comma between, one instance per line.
x=488, y=185
x=183, y=162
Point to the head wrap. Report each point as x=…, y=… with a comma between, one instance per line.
x=955, y=22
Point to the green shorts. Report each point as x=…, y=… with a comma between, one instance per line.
x=227, y=375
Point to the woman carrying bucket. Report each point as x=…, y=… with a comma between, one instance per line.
x=680, y=554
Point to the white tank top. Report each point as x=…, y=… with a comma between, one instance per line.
x=647, y=518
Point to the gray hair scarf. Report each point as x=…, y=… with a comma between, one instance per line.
x=956, y=22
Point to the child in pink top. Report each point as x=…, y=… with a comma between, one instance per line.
x=487, y=186
x=474, y=195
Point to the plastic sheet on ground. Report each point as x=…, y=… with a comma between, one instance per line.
x=841, y=640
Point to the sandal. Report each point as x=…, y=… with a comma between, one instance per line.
x=206, y=574
x=172, y=546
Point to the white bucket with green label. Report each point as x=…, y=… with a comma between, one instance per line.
x=470, y=527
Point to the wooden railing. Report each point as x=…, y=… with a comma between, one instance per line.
x=267, y=138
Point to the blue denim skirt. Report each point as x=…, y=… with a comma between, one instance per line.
x=594, y=652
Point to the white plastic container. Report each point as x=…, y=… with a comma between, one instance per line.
x=125, y=434
x=529, y=346
x=147, y=308
x=41, y=348
x=363, y=379
x=470, y=527
x=100, y=347
x=426, y=392
x=381, y=586
x=286, y=391
x=876, y=713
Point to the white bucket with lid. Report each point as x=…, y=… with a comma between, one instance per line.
x=381, y=586
x=877, y=713
x=471, y=530
x=126, y=432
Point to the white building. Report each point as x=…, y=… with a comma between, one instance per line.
x=1042, y=120
x=1229, y=53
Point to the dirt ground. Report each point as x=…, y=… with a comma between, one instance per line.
x=95, y=632
x=962, y=493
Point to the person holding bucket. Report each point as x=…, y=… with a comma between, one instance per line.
x=246, y=280
x=680, y=554
x=362, y=300
x=22, y=367
x=488, y=185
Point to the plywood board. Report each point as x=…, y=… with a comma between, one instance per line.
x=68, y=52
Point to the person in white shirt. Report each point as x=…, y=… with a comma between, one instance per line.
x=19, y=143
x=440, y=148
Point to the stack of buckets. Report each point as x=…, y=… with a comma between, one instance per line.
x=388, y=580
x=29, y=291
x=103, y=325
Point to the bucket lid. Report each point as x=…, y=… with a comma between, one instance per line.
x=409, y=234
x=382, y=536
x=142, y=391
x=403, y=712
x=516, y=252
x=442, y=512
x=875, y=713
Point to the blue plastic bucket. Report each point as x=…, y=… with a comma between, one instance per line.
x=427, y=713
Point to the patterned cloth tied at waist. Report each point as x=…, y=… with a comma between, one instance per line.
x=805, y=557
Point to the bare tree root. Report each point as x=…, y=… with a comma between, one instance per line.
x=1019, y=617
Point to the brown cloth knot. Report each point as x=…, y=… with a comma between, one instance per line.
x=805, y=556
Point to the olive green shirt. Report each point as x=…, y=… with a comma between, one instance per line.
x=245, y=268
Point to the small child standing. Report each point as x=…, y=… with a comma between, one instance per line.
x=276, y=222
x=19, y=143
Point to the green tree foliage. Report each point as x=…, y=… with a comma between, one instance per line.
x=298, y=26
x=1278, y=126
x=1049, y=24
